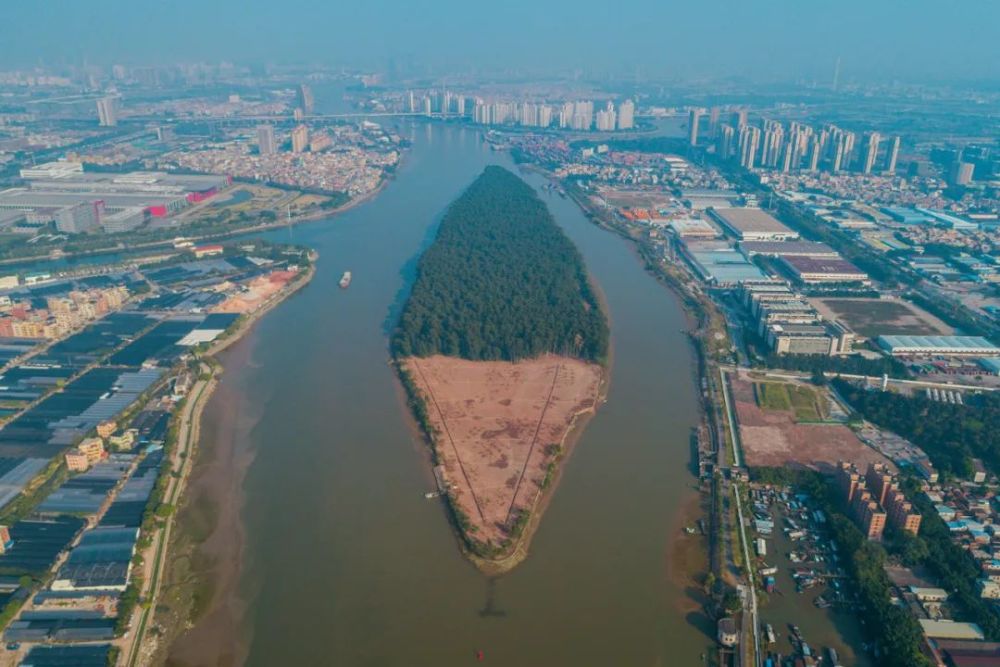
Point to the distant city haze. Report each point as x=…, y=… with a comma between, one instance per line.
x=914, y=40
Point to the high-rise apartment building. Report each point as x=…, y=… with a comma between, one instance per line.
x=305, y=99
x=607, y=118
x=891, y=156
x=815, y=148
x=875, y=499
x=300, y=139
x=871, y=152
x=725, y=146
x=961, y=173
x=748, y=144
x=265, y=140
x=107, y=111
x=878, y=480
x=583, y=115
x=626, y=115
x=693, y=119
x=544, y=115
x=713, y=120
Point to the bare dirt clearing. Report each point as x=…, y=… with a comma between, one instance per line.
x=773, y=435
x=874, y=317
x=500, y=429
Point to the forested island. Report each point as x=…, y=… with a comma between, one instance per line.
x=500, y=347
x=501, y=282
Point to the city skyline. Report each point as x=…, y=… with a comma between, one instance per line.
x=857, y=41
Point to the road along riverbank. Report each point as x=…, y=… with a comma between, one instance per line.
x=172, y=545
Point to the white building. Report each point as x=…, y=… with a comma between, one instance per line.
x=626, y=115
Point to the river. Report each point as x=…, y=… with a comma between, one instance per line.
x=345, y=561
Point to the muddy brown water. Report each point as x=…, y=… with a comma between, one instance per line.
x=345, y=562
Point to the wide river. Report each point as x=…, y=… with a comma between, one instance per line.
x=347, y=563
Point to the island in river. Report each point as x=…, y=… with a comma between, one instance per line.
x=501, y=346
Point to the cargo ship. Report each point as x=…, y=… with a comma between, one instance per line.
x=345, y=279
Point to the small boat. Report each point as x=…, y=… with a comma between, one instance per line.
x=769, y=633
x=345, y=279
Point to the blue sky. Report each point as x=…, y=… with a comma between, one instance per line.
x=884, y=39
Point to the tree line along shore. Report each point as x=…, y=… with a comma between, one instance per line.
x=500, y=348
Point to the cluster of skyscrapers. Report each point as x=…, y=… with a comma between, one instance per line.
x=267, y=143
x=797, y=147
x=579, y=115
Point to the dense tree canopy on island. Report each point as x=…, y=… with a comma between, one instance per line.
x=501, y=282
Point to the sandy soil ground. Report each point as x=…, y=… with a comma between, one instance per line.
x=497, y=423
x=773, y=438
x=258, y=290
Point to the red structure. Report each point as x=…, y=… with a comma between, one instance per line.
x=202, y=195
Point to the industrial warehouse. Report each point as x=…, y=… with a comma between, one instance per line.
x=954, y=346
x=752, y=224
x=79, y=202
x=789, y=324
x=823, y=270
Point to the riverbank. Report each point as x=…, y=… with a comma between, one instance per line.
x=689, y=564
x=195, y=573
x=342, y=548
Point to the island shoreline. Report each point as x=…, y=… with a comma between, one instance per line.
x=519, y=550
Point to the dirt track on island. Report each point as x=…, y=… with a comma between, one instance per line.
x=498, y=427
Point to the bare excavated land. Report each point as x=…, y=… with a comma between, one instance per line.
x=500, y=429
x=775, y=435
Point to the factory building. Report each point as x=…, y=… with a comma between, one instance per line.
x=719, y=264
x=813, y=270
x=791, y=325
x=752, y=224
x=785, y=248
x=946, y=346
x=79, y=218
x=63, y=192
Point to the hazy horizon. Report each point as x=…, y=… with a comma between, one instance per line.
x=880, y=40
